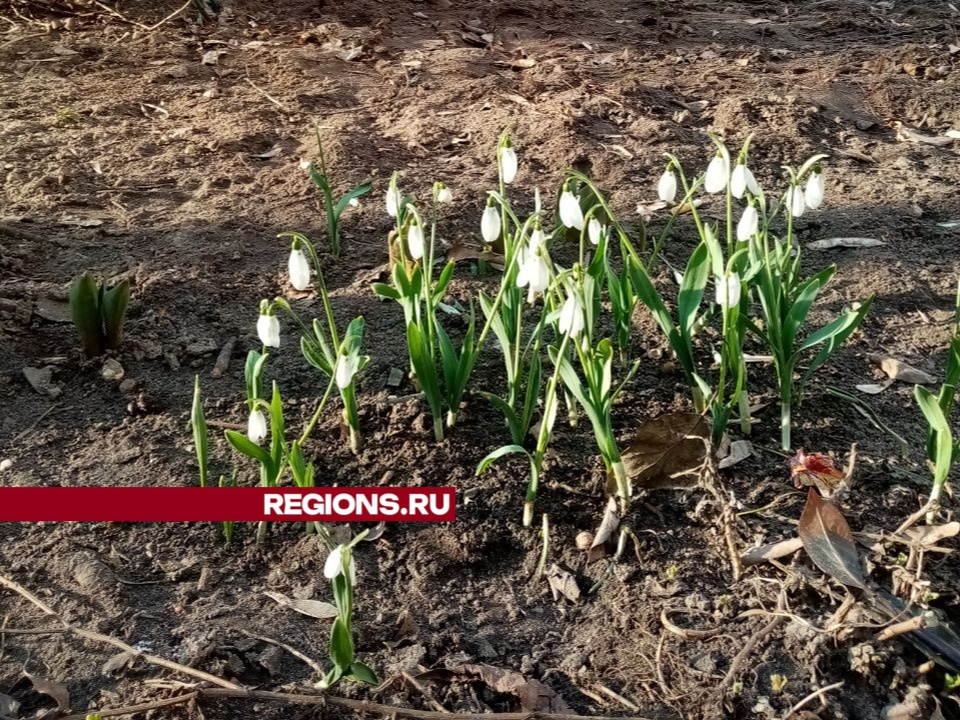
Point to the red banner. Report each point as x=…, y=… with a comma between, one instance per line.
x=195, y=504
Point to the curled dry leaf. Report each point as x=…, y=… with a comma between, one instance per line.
x=739, y=450
x=771, y=551
x=117, y=662
x=905, y=134
x=310, y=608
x=57, y=691
x=608, y=526
x=898, y=370
x=875, y=388
x=845, y=242
x=828, y=541
x=535, y=697
x=562, y=583
x=928, y=535
x=667, y=452
x=459, y=252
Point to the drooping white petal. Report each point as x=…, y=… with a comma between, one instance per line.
x=813, y=194
x=667, y=187
x=256, y=427
x=299, y=270
x=345, y=370
x=752, y=185
x=718, y=174
x=738, y=181
x=728, y=291
x=393, y=201
x=537, y=238
x=594, y=230
x=748, y=225
x=794, y=201
x=268, y=330
x=490, y=224
x=415, y=241
x=508, y=164
x=570, y=213
x=444, y=195
x=334, y=564
x=571, y=319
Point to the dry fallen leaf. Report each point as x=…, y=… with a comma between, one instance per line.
x=117, y=662
x=739, y=450
x=875, y=388
x=608, y=526
x=828, y=541
x=771, y=551
x=56, y=690
x=898, y=370
x=846, y=242
x=271, y=153
x=310, y=608
x=535, y=697
x=562, y=583
x=459, y=252
x=667, y=452
x=905, y=134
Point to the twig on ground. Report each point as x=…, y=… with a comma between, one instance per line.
x=36, y=422
x=293, y=651
x=629, y=705
x=108, y=640
x=745, y=653
x=140, y=25
x=418, y=686
x=907, y=626
x=9, y=229
x=223, y=359
x=811, y=697
x=913, y=519
x=263, y=92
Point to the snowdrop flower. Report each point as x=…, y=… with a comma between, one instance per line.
x=667, y=187
x=347, y=366
x=443, y=194
x=490, y=223
x=743, y=180
x=594, y=230
x=256, y=427
x=570, y=213
x=393, y=200
x=353, y=202
x=415, y=240
x=571, y=316
x=508, y=163
x=534, y=274
x=334, y=565
x=728, y=291
x=748, y=225
x=718, y=174
x=793, y=199
x=538, y=237
x=268, y=327
x=813, y=194
x=298, y=267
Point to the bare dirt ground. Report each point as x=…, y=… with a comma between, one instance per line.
x=123, y=153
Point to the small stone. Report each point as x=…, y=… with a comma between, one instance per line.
x=112, y=371
x=178, y=71
x=395, y=378
x=270, y=659
x=584, y=540
x=52, y=310
x=41, y=380
x=208, y=579
x=211, y=93
x=202, y=347
x=172, y=361
x=128, y=386
x=6, y=464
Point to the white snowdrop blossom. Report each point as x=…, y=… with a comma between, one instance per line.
x=393, y=201
x=728, y=291
x=813, y=194
x=508, y=163
x=571, y=319
x=353, y=202
x=490, y=224
x=334, y=565
x=538, y=237
x=570, y=213
x=444, y=195
x=667, y=187
x=594, y=230
x=794, y=201
x=748, y=225
x=256, y=427
x=298, y=269
x=718, y=175
x=415, y=241
x=268, y=330
x=347, y=366
x=743, y=180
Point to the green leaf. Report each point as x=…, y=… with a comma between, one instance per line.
x=242, y=444
x=943, y=438
x=363, y=673
x=445, y=276
x=387, y=291
x=513, y=422
x=531, y=394
x=115, y=302
x=692, y=288
x=345, y=200
x=499, y=453
x=85, y=311
x=648, y=295
x=341, y=644
x=424, y=368
x=199, y=425
x=314, y=355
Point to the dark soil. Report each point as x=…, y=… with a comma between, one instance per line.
x=96, y=177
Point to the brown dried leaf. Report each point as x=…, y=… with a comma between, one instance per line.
x=898, y=370
x=310, y=608
x=608, y=526
x=740, y=450
x=56, y=690
x=459, y=252
x=535, y=697
x=932, y=534
x=562, y=583
x=667, y=451
x=828, y=541
x=844, y=242
x=117, y=662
